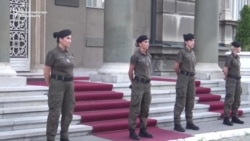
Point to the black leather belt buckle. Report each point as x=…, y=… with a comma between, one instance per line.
x=234, y=77
x=143, y=80
x=187, y=73
x=61, y=77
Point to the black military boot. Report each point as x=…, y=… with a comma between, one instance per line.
x=143, y=133
x=132, y=135
x=227, y=121
x=64, y=139
x=192, y=126
x=179, y=128
x=237, y=120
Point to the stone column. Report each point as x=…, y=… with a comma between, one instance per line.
x=227, y=24
x=5, y=40
x=207, y=38
x=38, y=28
x=118, y=41
x=7, y=74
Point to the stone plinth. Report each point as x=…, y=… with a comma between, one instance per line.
x=207, y=71
x=12, y=81
x=112, y=73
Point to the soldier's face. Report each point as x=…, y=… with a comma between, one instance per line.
x=190, y=43
x=237, y=50
x=66, y=41
x=144, y=44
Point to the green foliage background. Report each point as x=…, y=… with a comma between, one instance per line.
x=243, y=29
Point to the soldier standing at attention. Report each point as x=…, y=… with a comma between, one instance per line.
x=185, y=85
x=233, y=85
x=139, y=75
x=58, y=73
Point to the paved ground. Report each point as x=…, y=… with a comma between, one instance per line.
x=209, y=131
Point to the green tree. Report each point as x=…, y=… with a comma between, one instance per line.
x=243, y=29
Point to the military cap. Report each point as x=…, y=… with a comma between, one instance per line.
x=141, y=38
x=188, y=36
x=62, y=33
x=235, y=44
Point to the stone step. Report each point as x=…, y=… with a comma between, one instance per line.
x=168, y=101
x=18, y=101
x=218, y=90
x=169, y=93
x=197, y=117
x=156, y=85
x=155, y=93
x=23, y=91
x=211, y=83
x=22, y=123
x=38, y=134
x=23, y=111
x=168, y=110
x=246, y=110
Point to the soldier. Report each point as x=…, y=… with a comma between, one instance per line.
x=139, y=75
x=185, y=85
x=233, y=85
x=58, y=73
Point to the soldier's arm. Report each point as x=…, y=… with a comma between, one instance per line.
x=177, y=63
x=226, y=66
x=177, y=68
x=131, y=72
x=225, y=71
x=46, y=71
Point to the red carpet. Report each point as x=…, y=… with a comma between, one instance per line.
x=102, y=108
x=97, y=95
x=91, y=86
x=159, y=135
x=99, y=106
x=205, y=97
x=107, y=112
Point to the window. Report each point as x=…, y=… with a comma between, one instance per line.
x=95, y=3
x=236, y=6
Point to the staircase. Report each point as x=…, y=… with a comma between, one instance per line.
x=208, y=106
x=101, y=107
x=23, y=114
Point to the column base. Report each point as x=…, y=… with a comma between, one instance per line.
x=112, y=73
x=13, y=81
x=8, y=77
x=37, y=68
x=208, y=71
x=6, y=70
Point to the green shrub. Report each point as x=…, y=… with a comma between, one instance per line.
x=243, y=29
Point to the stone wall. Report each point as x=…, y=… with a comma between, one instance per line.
x=163, y=59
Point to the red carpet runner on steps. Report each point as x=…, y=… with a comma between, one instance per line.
x=105, y=110
x=205, y=97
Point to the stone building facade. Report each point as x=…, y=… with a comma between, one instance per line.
x=32, y=23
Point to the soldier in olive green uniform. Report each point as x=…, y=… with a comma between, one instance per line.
x=139, y=75
x=233, y=86
x=58, y=74
x=185, y=85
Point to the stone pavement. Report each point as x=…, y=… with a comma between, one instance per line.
x=209, y=131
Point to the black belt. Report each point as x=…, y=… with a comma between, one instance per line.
x=234, y=77
x=61, y=77
x=143, y=80
x=187, y=73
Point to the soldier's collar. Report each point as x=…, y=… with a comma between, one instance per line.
x=235, y=55
x=189, y=50
x=62, y=49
